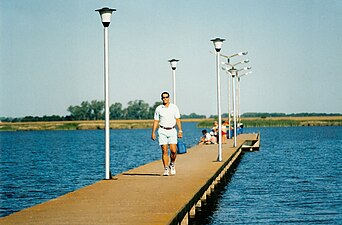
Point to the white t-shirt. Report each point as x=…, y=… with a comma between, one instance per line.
x=207, y=137
x=167, y=115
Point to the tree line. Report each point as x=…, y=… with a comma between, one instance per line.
x=95, y=110
x=135, y=110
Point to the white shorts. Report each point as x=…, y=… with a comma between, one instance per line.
x=166, y=137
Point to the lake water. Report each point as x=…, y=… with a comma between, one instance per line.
x=295, y=178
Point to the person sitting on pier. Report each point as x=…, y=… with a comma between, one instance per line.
x=206, y=138
x=213, y=138
x=167, y=116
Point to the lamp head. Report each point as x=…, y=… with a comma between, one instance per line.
x=105, y=14
x=218, y=43
x=243, y=53
x=233, y=72
x=173, y=63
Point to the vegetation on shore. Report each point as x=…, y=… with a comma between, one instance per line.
x=138, y=114
x=94, y=110
x=74, y=125
x=138, y=124
x=284, y=121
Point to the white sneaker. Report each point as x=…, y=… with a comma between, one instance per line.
x=166, y=171
x=173, y=169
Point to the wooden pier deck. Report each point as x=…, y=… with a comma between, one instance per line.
x=141, y=195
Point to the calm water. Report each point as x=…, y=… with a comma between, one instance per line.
x=37, y=166
x=295, y=178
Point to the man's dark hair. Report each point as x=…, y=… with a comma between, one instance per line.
x=165, y=92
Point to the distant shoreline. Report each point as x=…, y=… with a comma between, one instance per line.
x=79, y=125
x=141, y=124
x=285, y=121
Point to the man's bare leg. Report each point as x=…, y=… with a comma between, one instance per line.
x=165, y=155
x=173, y=154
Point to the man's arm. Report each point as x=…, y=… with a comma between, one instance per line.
x=179, y=125
x=154, y=128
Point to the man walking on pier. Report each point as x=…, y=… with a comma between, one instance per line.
x=167, y=116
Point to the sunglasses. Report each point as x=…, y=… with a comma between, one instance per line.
x=164, y=97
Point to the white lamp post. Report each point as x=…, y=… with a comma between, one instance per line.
x=234, y=73
x=105, y=14
x=229, y=99
x=218, y=45
x=238, y=90
x=239, y=94
x=229, y=103
x=173, y=63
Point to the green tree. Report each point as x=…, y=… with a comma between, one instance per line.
x=116, y=112
x=152, y=109
x=82, y=112
x=137, y=109
x=97, y=110
x=193, y=116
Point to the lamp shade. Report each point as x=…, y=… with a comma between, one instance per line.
x=243, y=53
x=105, y=14
x=233, y=72
x=218, y=43
x=173, y=63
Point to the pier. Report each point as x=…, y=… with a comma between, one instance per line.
x=142, y=195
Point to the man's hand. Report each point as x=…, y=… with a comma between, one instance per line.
x=153, y=136
x=154, y=128
x=180, y=134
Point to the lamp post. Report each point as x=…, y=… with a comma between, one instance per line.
x=173, y=63
x=229, y=99
x=218, y=45
x=238, y=90
x=105, y=14
x=234, y=74
x=229, y=103
x=239, y=93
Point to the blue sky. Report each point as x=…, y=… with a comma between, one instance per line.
x=52, y=54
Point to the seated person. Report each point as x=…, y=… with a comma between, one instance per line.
x=213, y=138
x=206, y=138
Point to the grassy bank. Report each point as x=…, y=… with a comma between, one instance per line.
x=138, y=124
x=284, y=121
x=79, y=125
x=75, y=125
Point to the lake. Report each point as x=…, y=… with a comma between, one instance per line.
x=294, y=178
